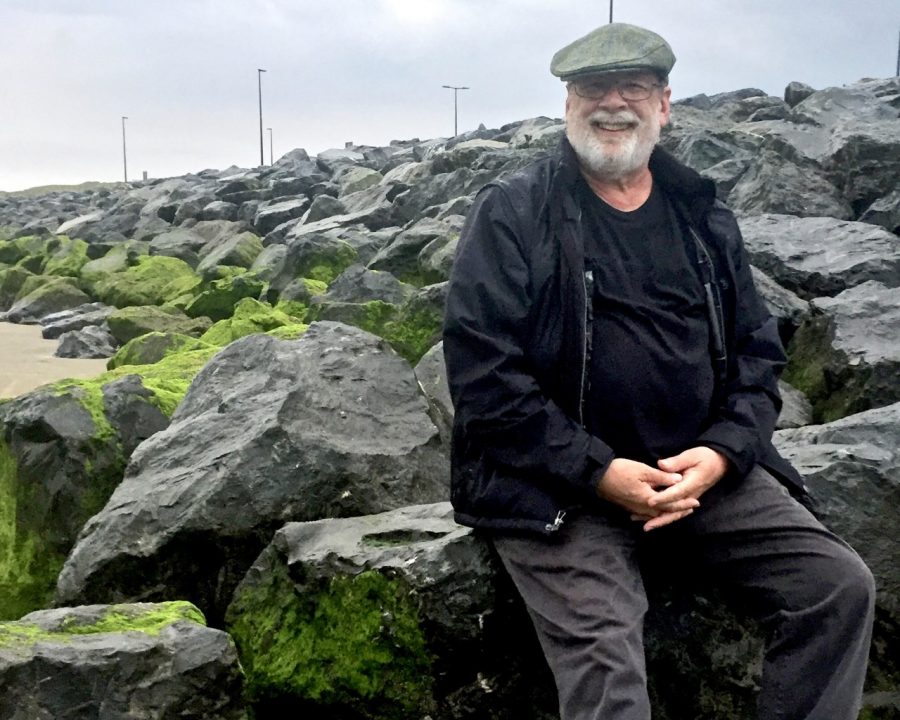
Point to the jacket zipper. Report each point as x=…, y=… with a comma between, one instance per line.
x=713, y=306
x=557, y=523
x=588, y=282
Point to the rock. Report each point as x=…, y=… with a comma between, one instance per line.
x=56, y=324
x=852, y=467
x=846, y=356
x=796, y=92
x=788, y=309
x=357, y=284
x=401, y=256
x=54, y=295
x=431, y=372
x=131, y=410
x=75, y=225
x=181, y=243
x=354, y=179
x=65, y=257
x=774, y=185
x=884, y=212
x=323, y=206
x=250, y=317
x=104, y=661
x=154, y=280
x=217, y=302
x=219, y=210
x=130, y=322
x=864, y=160
x=268, y=217
x=238, y=251
x=821, y=256
x=152, y=347
x=88, y=342
x=315, y=255
x=328, y=425
x=12, y=280
x=796, y=410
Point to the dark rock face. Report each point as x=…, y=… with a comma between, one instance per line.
x=89, y=342
x=270, y=431
x=846, y=355
x=57, y=295
x=56, y=324
x=146, y=662
x=821, y=256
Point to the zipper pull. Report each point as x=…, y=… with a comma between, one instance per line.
x=557, y=524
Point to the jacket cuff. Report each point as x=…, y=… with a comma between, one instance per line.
x=729, y=440
x=599, y=457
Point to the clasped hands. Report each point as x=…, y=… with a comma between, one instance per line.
x=663, y=495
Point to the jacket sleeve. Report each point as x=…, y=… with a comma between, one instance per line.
x=749, y=403
x=499, y=404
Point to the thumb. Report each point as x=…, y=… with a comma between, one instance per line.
x=676, y=463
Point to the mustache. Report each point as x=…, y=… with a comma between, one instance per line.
x=620, y=117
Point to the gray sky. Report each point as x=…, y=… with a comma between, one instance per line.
x=367, y=71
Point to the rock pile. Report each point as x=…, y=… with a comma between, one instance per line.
x=270, y=442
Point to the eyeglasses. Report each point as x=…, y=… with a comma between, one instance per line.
x=596, y=88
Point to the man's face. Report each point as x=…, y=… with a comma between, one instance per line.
x=613, y=136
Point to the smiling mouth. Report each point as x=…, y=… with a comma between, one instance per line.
x=611, y=127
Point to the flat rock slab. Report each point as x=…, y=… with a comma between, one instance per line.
x=333, y=424
x=142, y=662
x=821, y=256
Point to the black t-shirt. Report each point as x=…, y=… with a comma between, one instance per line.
x=651, y=376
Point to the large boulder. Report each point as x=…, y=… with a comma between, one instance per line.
x=130, y=322
x=154, y=280
x=55, y=324
x=51, y=296
x=238, y=251
x=88, y=342
x=821, y=256
x=142, y=661
x=330, y=425
x=846, y=356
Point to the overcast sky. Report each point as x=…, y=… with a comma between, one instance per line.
x=367, y=71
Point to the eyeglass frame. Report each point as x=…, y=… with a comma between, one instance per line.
x=617, y=85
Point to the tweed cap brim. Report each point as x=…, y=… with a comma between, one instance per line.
x=615, y=47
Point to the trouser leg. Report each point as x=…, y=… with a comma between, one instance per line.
x=812, y=592
x=586, y=599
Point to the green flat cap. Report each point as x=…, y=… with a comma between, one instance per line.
x=613, y=48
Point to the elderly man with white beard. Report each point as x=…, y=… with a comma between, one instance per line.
x=614, y=377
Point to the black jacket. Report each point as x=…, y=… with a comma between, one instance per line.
x=517, y=335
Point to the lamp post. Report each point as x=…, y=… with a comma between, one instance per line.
x=610, y=10
x=124, y=153
x=455, y=89
x=270, y=146
x=259, y=72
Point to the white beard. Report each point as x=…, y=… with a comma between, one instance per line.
x=608, y=160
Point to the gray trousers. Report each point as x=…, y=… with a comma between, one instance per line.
x=809, y=589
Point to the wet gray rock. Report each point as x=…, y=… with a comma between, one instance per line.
x=796, y=410
x=884, y=212
x=332, y=424
x=219, y=210
x=796, y=92
x=238, y=251
x=132, y=411
x=55, y=324
x=402, y=256
x=357, y=284
x=181, y=243
x=162, y=662
x=821, y=256
x=88, y=342
x=786, y=307
x=323, y=206
x=54, y=296
x=431, y=372
x=269, y=216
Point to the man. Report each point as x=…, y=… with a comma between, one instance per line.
x=614, y=375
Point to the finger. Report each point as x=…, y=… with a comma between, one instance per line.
x=642, y=518
x=666, y=519
x=677, y=463
x=688, y=503
x=672, y=494
x=657, y=478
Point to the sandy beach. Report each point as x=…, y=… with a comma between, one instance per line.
x=27, y=361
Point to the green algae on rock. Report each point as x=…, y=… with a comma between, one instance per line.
x=154, y=280
x=351, y=643
x=127, y=323
x=65, y=256
x=250, y=316
x=152, y=347
x=218, y=300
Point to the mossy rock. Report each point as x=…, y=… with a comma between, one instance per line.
x=324, y=259
x=250, y=316
x=154, y=280
x=116, y=260
x=238, y=251
x=13, y=251
x=65, y=256
x=58, y=626
x=33, y=264
x=415, y=328
x=127, y=323
x=370, y=316
x=11, y=282
x=152, y=347
x=288, y=332
x=219, y=300
x=41, y=295
x=346, y=646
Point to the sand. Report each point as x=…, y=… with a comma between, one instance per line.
x=27, y=361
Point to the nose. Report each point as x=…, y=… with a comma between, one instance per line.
x=611, y=97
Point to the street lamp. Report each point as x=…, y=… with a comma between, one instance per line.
x=270, y=146
x=610, y=10
x=455, y=89
x=259, y=72
x=124, y=153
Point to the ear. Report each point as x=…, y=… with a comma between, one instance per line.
x=665, y=99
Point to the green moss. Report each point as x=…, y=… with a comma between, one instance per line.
x=154, y=280
x=370, y=316
x=218, y=301
x=125, y=324
x=328, y=262
x=66, y=257
x=289, y=332
x=294, y=308
x=13, y=251
x=115, y=619
x=39, y=285
x=351, y=642
x=28, y=564
x=414, y=330
x=152, y=347
x=250, y=317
